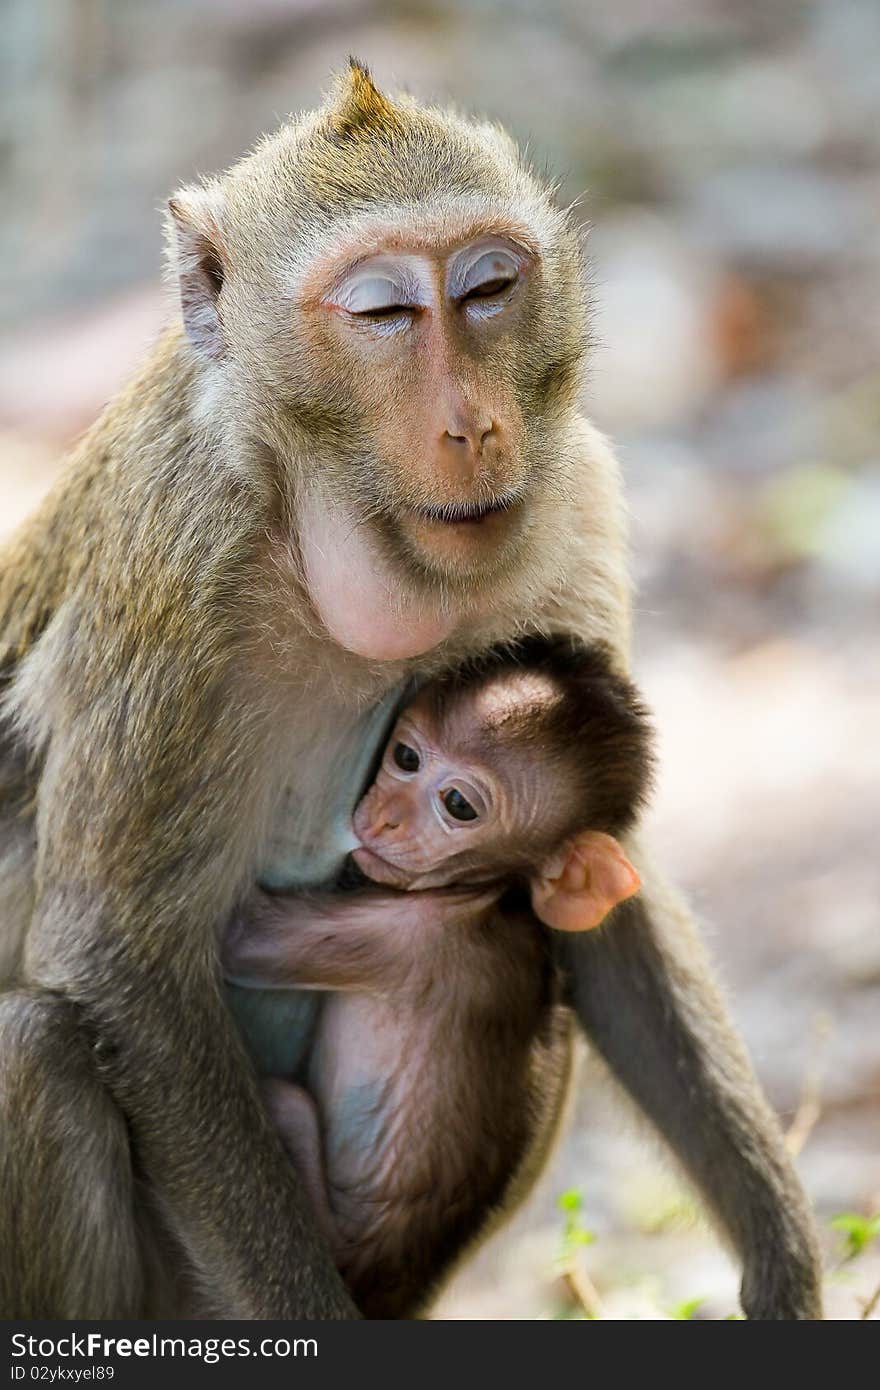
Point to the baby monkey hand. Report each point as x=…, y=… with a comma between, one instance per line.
x=581, y=885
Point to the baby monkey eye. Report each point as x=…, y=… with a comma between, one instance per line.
x=458, y=806
x=407, y=758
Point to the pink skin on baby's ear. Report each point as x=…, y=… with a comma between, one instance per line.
x=584, y=883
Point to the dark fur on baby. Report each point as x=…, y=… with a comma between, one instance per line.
x=596, y=735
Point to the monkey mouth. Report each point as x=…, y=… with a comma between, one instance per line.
x=460, y=539
x=379, y=870
x=375, y=869
x=466, y=513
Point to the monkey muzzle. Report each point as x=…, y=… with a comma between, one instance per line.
x=467, y=513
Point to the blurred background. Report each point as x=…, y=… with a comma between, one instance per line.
x=726, y=157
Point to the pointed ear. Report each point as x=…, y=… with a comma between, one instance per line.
x=197, y=257
x=591, y=877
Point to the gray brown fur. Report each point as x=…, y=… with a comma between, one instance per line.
x=599, y=710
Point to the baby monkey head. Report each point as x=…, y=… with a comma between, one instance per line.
x=525, y=765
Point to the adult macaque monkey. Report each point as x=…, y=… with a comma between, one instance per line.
x=357, y=460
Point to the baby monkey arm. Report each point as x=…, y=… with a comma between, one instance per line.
x=582, y=884
x=342, y=942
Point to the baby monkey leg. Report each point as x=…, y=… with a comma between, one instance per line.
x=296, y=1117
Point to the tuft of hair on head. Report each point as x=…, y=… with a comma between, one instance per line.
x=592, y=727
x=357, y=106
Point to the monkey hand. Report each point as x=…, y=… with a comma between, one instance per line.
x=784, y=1284
x=581, y=885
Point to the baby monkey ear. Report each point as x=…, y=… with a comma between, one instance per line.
x=581, y=886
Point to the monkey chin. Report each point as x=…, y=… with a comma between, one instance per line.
x=367, y=601
x=441, y=882
x=355, y=591
x=470, y=548
x=378, y=870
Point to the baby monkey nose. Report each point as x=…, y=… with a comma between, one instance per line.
x=386, y=815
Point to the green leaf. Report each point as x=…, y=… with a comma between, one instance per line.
x=859, y=1231
x=572, y=1200
x=683, y=1312
x=580, y=1235
x=575, y=1234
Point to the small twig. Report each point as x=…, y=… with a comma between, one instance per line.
x=810, y=1106
x=583, y=1290
x=871, y=1305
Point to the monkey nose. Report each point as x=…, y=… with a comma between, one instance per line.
x=467, y=439
x=386, y=817
x=469, y=435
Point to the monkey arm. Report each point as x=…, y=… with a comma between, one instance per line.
x=131, y=886
x=350, y=941
x=142, y=969
x=645, y=997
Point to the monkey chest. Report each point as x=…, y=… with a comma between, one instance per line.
x=308, y=841
x=311, y=831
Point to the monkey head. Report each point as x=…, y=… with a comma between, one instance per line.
x=450, y=805
x=388, y=312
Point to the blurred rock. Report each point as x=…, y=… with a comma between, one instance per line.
x=654, y=363
x=850, y=542
x=778, y=216
x=762, y=425
x=57, y=376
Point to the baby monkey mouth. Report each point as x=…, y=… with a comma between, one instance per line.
x=379, y=870
x=439, y=882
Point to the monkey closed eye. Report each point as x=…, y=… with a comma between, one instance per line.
x=380, y=288
x=490, y=275
x=482, y=277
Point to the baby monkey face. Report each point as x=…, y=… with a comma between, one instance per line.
x=437, y=811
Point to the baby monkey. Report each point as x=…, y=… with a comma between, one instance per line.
x=441, y=1037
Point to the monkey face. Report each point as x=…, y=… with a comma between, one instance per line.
x=395, y=310
x=458, y=472
x=436, y=333
x=426, y=334
x=439, y=490
x=429, y=817
x=439, y=812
